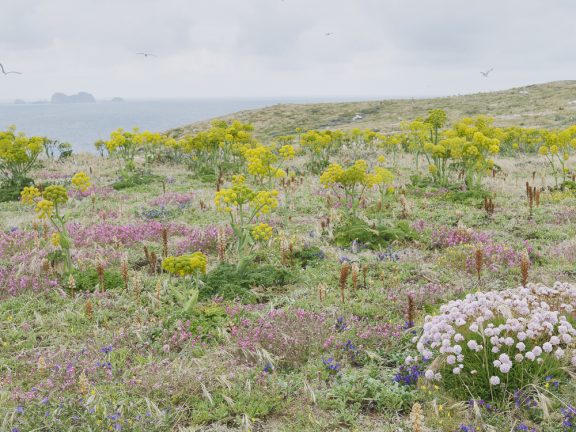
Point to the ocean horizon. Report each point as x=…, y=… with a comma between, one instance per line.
x=82, y=124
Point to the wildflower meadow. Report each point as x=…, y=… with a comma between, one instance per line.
x=320, y=280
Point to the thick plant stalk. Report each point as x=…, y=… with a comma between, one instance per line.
x=344, y=272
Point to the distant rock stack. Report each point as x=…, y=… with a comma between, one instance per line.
x=81, y=97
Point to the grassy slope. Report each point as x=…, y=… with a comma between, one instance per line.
x=541, y=105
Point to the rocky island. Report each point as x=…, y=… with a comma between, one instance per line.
x=81, y=97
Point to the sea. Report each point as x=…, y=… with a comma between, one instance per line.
x=82, y=124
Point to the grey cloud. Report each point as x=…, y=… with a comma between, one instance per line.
x=273, y=47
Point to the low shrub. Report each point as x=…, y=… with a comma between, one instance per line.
x=308, y=256
x=231, y=282
x=88, y=279
x=372, y=237
x=368, y=390
x=129, y=180
x=10, y=190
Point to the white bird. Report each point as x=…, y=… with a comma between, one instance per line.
x=328, y=34
x=147, y=54
x=5, y=72
x=485, y=74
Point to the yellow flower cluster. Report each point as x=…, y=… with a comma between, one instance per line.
x=17, y=150
x=259, y=160
x=240, y=194
x=29, y=193
x=81, y=181
x=331, y=175
x=51, y=196
x=287, y=151
x=262, y=232
x=545, y=150
x=262, y=161
x=321, y=141
x=118, y=139
x=55, y=193
x=55, y=239
x=265, y=201
x=184, y=265
x=356, y=174
x=44, y=209
x=381, y=176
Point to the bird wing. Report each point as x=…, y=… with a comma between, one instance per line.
x=8, y=72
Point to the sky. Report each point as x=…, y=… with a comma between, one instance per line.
x=272, y=48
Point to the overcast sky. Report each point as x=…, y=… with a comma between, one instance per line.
x=270, y=48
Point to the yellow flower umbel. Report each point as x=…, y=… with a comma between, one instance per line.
x=55, y=239
x=236, y=196
x=185, y=265
x=262, y=232
x=287, y=151
x=265, y=201
x=56, y=194
x=81, y=181
x=45, y=209
x=28, y=194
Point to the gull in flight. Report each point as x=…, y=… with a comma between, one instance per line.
x=485, y=74
x=5, y=72
x=147, y=54
x=328, y=34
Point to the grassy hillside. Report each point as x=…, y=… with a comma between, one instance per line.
x=541, y=105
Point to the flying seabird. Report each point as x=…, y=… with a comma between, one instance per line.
x=485, y=74
x=8, y=72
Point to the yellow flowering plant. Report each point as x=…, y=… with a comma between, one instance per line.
x=175, y=148
x=124, y=145
x=243, y=206
x=49, y=205
x=151, y=142
x=319, y=145
x=81, y=181
x=354, y=181
x=416, y=137
x=467, y=148
x=422, y=137
x=265, y=162
x=219, y=149
x=191, y=266
x=556, y=150
x=18, y=155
